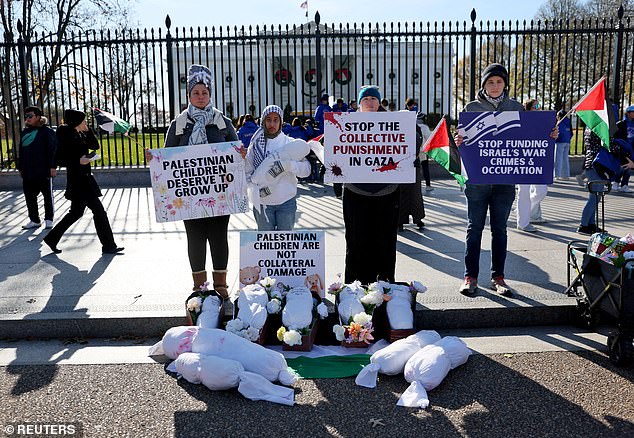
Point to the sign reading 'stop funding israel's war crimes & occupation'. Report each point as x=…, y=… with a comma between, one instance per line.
x=372, y=147
x=508, y=147
x=198, y=181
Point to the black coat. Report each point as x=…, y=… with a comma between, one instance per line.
x=72, y=145
x=37, y=156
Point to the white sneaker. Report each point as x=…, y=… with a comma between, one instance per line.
x=429, y=189
x=49, y=224
x=31, y=225
x=615, y=187
x=528, y=228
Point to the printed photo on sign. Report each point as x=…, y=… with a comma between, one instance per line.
x=508, y=147
x=370, y=147
x=198, y=181
x=293, y=258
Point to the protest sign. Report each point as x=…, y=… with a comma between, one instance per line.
x=198, y=181
x=293, y=258
x=370, y=147
x=508, y=147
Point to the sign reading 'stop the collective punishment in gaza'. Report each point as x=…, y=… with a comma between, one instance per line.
x=198, y=181
x=370, y=147
x=508, y=147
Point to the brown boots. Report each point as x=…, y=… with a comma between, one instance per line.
x=220, y=283
x=200, y=278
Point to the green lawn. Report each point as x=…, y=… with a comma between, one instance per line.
x=121, y=151
x=115, y=150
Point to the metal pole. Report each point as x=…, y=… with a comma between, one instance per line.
x=618, y=52
x=170, y=68
x=22, y=62
x=318, y=52
x=472, y=75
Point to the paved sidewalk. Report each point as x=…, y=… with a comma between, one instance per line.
x=80, y=293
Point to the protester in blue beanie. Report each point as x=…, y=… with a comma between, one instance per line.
x=370, y=237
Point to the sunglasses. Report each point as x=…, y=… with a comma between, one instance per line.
x=29, y=116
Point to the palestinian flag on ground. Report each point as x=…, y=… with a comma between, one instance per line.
x=441, y=147
x=111, y=123
x=596, y=112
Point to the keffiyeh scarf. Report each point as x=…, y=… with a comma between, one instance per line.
x=202, y=118
x=258, y=142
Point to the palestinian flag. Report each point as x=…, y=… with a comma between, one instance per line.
x=441, y=147
x=596, y=112
x=110, y=123
x=317, y=146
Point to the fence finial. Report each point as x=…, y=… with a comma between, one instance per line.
x=317, y=18
x=168, y=22
x=621, y=12
x=19, y=26
x=473, y=15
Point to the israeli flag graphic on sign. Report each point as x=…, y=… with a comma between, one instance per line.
x=489, y=123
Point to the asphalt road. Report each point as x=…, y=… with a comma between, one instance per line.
x=551, y=394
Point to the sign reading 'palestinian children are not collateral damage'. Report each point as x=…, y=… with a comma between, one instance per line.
x=378, y=147
x=198, y=181
x=508, y=147
x=293, y=258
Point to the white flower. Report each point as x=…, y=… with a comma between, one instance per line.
x=374, y=297
x=292, y=337
x=362, y=318
x=235, y=325
x=380, y=286
x=339, y=332
x=273, y=306
x=322, y=310
x=419, y=287
x=268, y=282
x=252, y=334
x=356, y=286
x=194, y=304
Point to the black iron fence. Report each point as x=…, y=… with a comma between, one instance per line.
x=140, y=75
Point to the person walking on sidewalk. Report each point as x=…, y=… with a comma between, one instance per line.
x=202, y=123
x=36, y=164
x=370, y=215
x=530, y=196
x=497, y=199
x=75, y=142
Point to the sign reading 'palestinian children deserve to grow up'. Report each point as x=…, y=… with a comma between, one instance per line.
x=370, y=147
x=198, y=181
x=508, y=147
x=293, y=258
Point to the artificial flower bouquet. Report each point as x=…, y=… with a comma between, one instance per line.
x=252, y=308
x=204, y=307
x=611, y=249
x=356, y=304
x=300, y=319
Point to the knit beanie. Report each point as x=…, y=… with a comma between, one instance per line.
x=199, y=74
x=495, y=70
x=369, y=91
x=73, y=117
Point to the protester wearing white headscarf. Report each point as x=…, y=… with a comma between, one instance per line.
x=285, y=160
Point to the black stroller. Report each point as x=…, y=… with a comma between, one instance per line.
x=602, y=289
